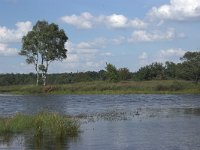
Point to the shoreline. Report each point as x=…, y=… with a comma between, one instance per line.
x=103, y=87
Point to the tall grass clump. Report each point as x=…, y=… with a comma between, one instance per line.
x=43, y=124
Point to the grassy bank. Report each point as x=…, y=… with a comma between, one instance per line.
x=100, y=87
x=43, y=124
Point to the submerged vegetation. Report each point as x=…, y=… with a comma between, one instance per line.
x=40, y=125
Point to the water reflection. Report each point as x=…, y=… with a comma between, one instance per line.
x=29, y=141
x=87, y=104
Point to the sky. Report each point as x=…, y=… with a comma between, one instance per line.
x=128, y=33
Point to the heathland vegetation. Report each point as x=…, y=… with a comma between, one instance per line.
x=154, y=78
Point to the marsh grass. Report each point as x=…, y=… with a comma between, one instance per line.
x=43, y=124
x=103, y=87
x=174, y=86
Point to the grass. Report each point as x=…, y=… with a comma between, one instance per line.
x=102, y=87
x=43, y=124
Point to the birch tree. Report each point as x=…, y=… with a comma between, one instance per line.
x=43, y=45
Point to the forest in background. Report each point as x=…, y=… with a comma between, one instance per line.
x=186, y=70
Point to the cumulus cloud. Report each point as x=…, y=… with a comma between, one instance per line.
x=96, y=44
x=84, y=21
x=144, y=36
x=120, y=21
x=6, y=51
x=14, y=35
x=180, y=10
x=137, y=23
x=116, y=21
x=178, y=52
x=87, y=21
x=171, y=54
x=85, y=54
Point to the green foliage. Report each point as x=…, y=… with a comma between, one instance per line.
x=102, y=75
x=151, y=72
x=191, y=65
x=44, y=44
x=17, y=79
x=170, y=70
x=42, y=68
x=111, y=73
x=124, y=74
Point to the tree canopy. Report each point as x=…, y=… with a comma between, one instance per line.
x=150, y=72
x=43, y=45
x=191, y=65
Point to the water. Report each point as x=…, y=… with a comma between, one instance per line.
x=114, y=122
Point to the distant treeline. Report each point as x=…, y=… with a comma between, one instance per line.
x=56, y=78
x=188, y=69
x=154, y=71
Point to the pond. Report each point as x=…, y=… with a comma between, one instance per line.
x=114, y=122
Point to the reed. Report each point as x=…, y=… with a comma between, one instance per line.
x=42, y=124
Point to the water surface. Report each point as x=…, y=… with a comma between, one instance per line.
x=114, y=122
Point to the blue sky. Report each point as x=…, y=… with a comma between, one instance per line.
x=125, y=33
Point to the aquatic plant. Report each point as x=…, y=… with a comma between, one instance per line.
x=40, y=125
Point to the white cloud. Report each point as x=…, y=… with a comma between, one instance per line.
x=14, y=35
x=6, y=51
x=90, y=49
x=137, y=23
x=96, y=44
x=85, y=55
x=121, y=21
x=116, y=21
x=144, y=36
x=72, y=58
x=84, y=21
x=180, y=10
x=87, y=21
x=172, y=52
